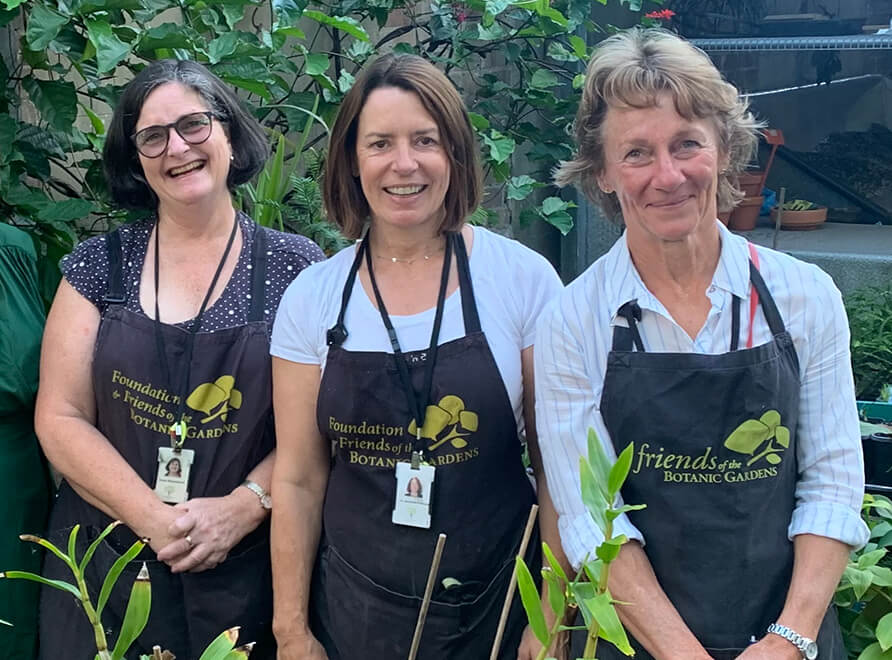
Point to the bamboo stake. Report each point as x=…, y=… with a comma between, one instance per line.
x=512, y=585
x=428, y=590
x=780, y=215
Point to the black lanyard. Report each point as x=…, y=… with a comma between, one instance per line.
x=178, y=428
x=417, y=404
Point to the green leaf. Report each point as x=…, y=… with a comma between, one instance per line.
x=543, y=79
x=137, y=614
x=557, y=601
x=253, y=86
x=221, y=646
x=520, y=187
x=95, y=121
x=875, y=652
x=609, y=549
x=42, y=542
x=881, y=576
x=869, y=559
x=316, y=64
x=168, y=36
x=884, y=632
x=556, y=51
x=578, y=80
x=598, y=460
x=72, y=540
x=345, y=81
x=13, y=4
x=109, y=49
x=529, y=596
x=223, y=46
x=343, y=23
x=620, y=471
x=553, y=562
x=500, y=146
x=88, y=555
x=287, y=12
x=561, y=220
x=609, y=626
x=859, y=579
x=592, y=495
x=114, y=573
x=613, y=514
x=552, y=205
x=44, y=25
x=577, y=43
x=496, y=7
x=55, y=584
x=479, y=122
x=7, y=135
x=66, y=210
x=490, y=33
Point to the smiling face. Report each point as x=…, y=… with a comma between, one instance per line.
x=402, y=162
x=184, y=174
x=664, y=170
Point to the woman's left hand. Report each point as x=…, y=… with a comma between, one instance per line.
x=530, y=646
x=771, y=647
x=209, y=528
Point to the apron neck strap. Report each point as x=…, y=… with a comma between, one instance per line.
x=114, y=295
x=337, y=334
x=625, y=338
x=258, y=281
x=466, y=289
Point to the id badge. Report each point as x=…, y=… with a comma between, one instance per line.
x=172, y=480
x=414, y=487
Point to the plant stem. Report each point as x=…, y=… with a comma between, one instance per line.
x=98, y=630
x=555, y=629
x=591, y=639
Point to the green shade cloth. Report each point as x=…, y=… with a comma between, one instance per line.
x=24, y=481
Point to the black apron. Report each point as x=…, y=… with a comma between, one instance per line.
x=134, y=409
x=371, y=574
x=719, y=496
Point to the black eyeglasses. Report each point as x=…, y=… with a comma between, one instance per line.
x=194, y=128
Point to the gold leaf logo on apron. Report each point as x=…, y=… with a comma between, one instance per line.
x=215, y=399
x=760, y=438
x=447, y=421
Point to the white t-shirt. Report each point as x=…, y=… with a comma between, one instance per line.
x=512, y=284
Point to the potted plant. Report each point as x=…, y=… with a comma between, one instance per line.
x=800, y=214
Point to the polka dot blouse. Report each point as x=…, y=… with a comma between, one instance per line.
x=86, y=269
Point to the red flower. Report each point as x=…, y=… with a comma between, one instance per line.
x=660, y=14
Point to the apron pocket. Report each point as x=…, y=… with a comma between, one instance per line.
x=358, y=618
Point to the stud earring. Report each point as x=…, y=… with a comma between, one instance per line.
x=231, y=157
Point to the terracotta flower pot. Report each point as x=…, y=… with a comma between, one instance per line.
x=724, y=216
x=751, y=183
x=801, y=220
x=744, y=217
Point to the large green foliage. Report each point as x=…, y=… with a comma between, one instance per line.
x=291, y=61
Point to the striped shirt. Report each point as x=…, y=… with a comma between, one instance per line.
x=575, y=334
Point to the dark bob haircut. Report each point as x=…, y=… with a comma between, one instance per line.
x=120, y=159
x=345, y=202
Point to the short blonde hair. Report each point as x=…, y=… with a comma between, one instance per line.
x=344, y=201
x=631, y=69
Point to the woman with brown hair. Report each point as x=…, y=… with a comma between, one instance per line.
x=410, y=354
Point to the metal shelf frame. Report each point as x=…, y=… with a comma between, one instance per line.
x=850, y=42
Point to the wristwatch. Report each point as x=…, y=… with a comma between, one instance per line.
x=265, y=500
x=806, y=646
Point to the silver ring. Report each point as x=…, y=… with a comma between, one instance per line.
x=189, y=540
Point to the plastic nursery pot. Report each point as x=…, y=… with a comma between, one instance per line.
x=801, y=220
x=750, y=183
x=878, y=459
x=744, y=217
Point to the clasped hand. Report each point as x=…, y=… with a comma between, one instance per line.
x=200, y=533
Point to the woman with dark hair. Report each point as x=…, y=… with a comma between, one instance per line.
x=410, y=353
x=156, y=350
x=727, y=364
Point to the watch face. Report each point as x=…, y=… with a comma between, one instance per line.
x=811, y=651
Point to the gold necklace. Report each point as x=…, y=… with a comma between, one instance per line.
x=410, y=260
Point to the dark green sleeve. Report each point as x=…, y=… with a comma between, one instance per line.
x=21, y=328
